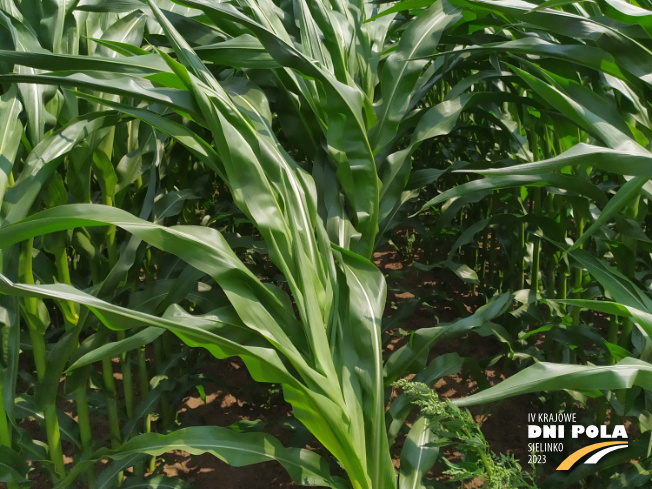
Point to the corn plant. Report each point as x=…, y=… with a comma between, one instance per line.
x=303, y=119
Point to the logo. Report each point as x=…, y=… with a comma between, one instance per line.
x=552, y=430
x=602, y=449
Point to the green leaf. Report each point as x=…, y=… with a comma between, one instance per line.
x=418, y=455
x=622, y=162
x=46, y=157
x=401, y=6
x=117, y=348
x=623, y=290
x=642, y=318
x=244, y=51
x=13, y=467
x=624, y=197
x=367, y=290
x=109, y=475
x=516, y=179
x=237, y=449
x=105, y=173
x=12, y=130
x=403, y=68
x=542, y=377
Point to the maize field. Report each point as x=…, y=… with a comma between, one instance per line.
x=367, y=244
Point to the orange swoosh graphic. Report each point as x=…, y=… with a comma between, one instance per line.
x=575, y=456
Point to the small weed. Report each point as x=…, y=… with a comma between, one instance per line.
x=454, y=427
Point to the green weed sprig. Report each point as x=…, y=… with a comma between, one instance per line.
x=455, y=427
